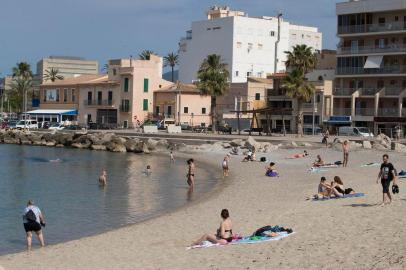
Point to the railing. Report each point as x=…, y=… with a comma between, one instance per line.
x=388, y=112
x=372, y=49
x=364, y=111
x=393, y=91
x=124, y=108
x=344, y=91
x=342, y=111
x=308, y=105
x=369, y=91
x=362, y=70
x=162, y=116
x=368, y=28
x=104, y=102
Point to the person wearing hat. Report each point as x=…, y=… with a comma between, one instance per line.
x=33, y=220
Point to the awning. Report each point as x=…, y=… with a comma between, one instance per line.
x=373, y=61
x=53, y=112
x=339, y=120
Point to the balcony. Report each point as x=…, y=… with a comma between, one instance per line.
x=390, y=70
x=393, y=48
x=365, y=111
x=344, y=91
x=388, y=112
x=393, y=91
x=342, y=111
x=372, y=28
x=104, y=102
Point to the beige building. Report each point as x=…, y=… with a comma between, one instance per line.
x=67, y=66
x=371, y=64
x=182, y=104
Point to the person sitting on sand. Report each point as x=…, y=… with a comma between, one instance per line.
x=224, y=234
x=323, y=190
x=271, y=171
x=191, y=172
x=103, y=178
x=337, y=188
x=249, y=156
x=318, y=162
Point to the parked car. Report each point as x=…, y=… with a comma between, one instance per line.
x=309, y=130
x=72, y=127
x=12, y=124
x=355, y=131
x=30, y=124
x=56, y=126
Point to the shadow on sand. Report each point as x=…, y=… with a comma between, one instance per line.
x=361, y=205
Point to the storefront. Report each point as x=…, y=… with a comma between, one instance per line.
x=334, y=122
x=53, y=116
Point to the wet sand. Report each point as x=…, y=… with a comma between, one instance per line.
x=351, y=233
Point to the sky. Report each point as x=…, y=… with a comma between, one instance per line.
x=109, y=29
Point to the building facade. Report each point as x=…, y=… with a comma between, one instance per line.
x=250, y=46
x=371, y=64
x=182, y=104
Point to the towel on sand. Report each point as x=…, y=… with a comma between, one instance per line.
x=355, y=195
x=317, y=170
x=244, y=240
x=372, y=164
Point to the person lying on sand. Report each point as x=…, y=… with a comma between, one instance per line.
x=318, y=162
x=271, y=171
x=337, y=188
x=250, y=156
x=224, y=233
x=299, y=155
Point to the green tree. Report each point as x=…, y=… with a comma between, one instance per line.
x=20, y=85
x=297, y=87
x=302, y=58
x=52, y=75
x=145, y=54
x=213, y=80
x=171, y=60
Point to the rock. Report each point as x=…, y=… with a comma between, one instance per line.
x=63, y=138
x=145, y=149
x=133, y=145
x=294, y=144
x=25, y=141
x=226, y=145
x=151, y=144
x=105, y=137
x=83, y=141
x=50, y=143
x=98, y=147
x=379, y=146
x=162, y=145
x=384, y=140
x=237, y=143
x=60, y=146
x=398, y=147
x=115, y=147
x=366, y=145
x=252, y=144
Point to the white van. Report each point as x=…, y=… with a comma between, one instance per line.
x=30, y=124
x=354, y=131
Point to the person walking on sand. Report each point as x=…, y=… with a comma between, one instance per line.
x=172, y=158
x=103, y=178
x=33, y=220
x=325, y=137
x=346, y=152
x=386, y=174
x=225, y=165
x=191, y=172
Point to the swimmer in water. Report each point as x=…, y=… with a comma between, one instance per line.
x=103, y=178
x=148, y=170
x=172, y=158
x=55, y=160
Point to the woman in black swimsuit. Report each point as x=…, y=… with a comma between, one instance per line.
x=337, y=188
x=224, y=233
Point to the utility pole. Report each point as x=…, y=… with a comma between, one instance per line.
x=314, y=111
x=277, y=42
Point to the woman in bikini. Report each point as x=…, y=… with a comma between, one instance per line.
x=224, y=233
x=337, y=188
x=191, y=172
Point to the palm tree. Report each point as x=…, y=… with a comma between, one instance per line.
x=21, y=84
x=171, y=60
x=52, y=75
x=297, y=87
x=213, y=80
x=145, y=54
x=105, y=68
x=301, y=58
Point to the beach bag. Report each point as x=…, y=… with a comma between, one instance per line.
x=348, y=191
x=263, y=159
x=338, y=162
x=30, y=216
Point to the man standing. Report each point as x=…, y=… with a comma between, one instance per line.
x=387, y=174
x=33, y=220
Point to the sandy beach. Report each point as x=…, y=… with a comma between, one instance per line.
x=352, y=233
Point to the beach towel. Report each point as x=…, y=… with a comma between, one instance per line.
x=402, y=173
x=317, y=170
x=244, y=240
x=331, y=165
x=372, y=164
x=272, y=174
x=355, y=195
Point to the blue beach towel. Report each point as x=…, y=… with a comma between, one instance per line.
x=272, y=174
x=402, y=173
x=244, y=240
x=317, y=170
x=355, y=195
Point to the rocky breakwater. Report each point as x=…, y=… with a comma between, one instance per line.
x=381, y=142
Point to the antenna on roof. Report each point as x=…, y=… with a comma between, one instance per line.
x=131, y=60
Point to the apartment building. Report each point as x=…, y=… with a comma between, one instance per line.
x=371, y=64
x=182, y=104
x=250, y=46
x=67, y=66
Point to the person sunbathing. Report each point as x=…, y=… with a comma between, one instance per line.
x=299, y=155
x=337, y=188
x=318, y=162
x=271, y=171
x=224, y=233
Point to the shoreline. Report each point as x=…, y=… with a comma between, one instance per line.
x=254, y=201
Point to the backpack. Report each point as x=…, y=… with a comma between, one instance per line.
x=30, y=216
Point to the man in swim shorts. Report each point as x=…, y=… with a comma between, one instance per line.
x=386, y=174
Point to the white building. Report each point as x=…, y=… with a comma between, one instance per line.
x=247, y=44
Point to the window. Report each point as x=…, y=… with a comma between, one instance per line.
x=318, y=98
x=145, y=104
x=169, y=110
x=65, y=95
x=126, y=84
x=114, y=72
x=393, y=82
x=260, y=46
x=239, y=44
x=272, y=33
x=110, y=98
x=89, y=96
x=257, y=96
x=381, y=21
x=157, y=110
x=99, y=97
x=146, y=85
x=185, y=109
x=217, y=28
x=396, y=18
x=248, y=74
x=89, y=118
x=45, y=95
x=73, y=95
x=57, y=95
x=203, y=110
x=236, y=73
x=125, y=105
x=125, y=124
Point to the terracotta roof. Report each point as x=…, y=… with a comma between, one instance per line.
x=182, y=87
x=277, y=75
x=83, y=79
x=260, y=80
